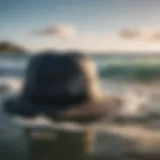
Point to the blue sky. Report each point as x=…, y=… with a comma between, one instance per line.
x=95, y=24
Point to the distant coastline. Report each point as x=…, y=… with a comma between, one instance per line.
x=9, y=47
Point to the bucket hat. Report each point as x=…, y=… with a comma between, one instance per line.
x=62, y=86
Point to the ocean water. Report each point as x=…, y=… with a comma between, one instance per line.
x=134, y=77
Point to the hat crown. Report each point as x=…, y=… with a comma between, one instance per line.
x=56, y=78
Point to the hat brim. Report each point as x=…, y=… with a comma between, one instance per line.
x=18, y=106
x=82, y=113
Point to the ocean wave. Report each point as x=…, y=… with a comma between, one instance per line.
x=130, y=71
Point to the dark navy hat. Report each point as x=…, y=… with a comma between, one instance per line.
x=54, y=84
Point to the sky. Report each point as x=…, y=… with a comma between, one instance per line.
x=90, y=25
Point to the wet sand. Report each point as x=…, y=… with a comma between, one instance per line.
x=110, y=141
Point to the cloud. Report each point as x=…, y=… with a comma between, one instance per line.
x=150, y=35
x=63, y=31
x=155, y=36
x=130, y=34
